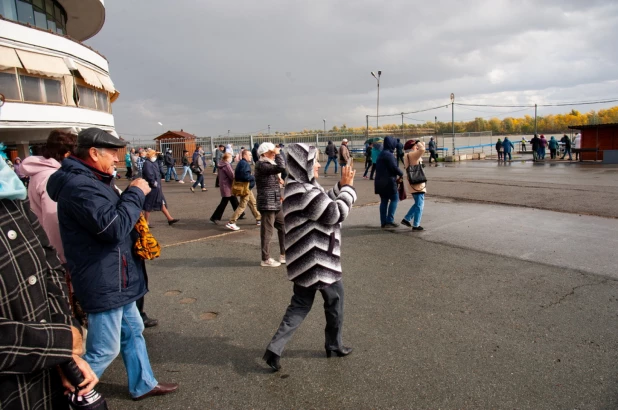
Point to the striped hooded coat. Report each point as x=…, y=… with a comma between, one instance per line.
x=313, y=220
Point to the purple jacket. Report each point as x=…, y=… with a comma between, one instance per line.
x=226, y=177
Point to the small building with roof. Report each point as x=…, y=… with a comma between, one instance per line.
x=598, y=140
x=177, y=141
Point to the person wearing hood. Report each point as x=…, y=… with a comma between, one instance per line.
x=375, y=153
x=500, y=150
x=155, y=201
x=507, y=146
x=226, y=177
x=267, y=181
x=59, y=146
x=399, y=152
x=387, y=174
x=37, y=330
x=368, y=162
x=313, y=219
x=553, y=147
x=97, y=225
x=254, y=152
x=128, y=163
x=331, y=152
x=542, y=146
x=242, y=174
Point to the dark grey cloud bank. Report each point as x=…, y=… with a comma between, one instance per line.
x=212, y=66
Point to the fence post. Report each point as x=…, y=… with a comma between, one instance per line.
x=212, y=149
x=251, y=141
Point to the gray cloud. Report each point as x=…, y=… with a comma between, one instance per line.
x=243, y=65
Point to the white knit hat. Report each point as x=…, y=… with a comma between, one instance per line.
x=265, y=147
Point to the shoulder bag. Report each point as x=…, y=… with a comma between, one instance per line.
x=415, y=174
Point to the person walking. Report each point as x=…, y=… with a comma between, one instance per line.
x=98, y=234
x=414, y=215
x=345, y=158
x=553, y=147
x=197, y=166
x=542, y=146
x=500, y=150
x=318, y=240
x=134, y=157
x=186, y=167
x=507, y=146
x=170, y=163
x=399, y=152
x=368, y=161
x=375, y=153
x=155, y=200
x=577, y=143
x=139, y=162
x=432, y=151
x=217, y=155
x=331, y=152
x=535, y=143
x=128, y=164
x=267, y=181
x=387, y=175
x=567, y=147
x=243, y=175
x=226, y=177
x=37, y=330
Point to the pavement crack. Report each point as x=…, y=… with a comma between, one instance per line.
x=572, y=292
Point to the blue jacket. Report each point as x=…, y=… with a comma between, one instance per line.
x=243, y=173
x=387, y=170
x=553, y=144
x=97, y=231
x=375, y=151
x=507, y=145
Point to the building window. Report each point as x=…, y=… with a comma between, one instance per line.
x=25, y=13
x=45, y=90
x=8, y=85
x=102, y=103
x=86, y=97
x=44, y=14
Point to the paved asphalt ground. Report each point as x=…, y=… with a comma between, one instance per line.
x=508, y=300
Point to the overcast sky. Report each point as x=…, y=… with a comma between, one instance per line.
x=210, y=66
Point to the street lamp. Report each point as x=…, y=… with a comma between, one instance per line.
x=453, y=119
x=324, y=126
x=377, y=77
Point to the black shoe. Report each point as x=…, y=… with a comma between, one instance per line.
x=272, y=360
x=417, y=228
x=342, y=351
x=242, y=216
x=148, y=322
x=406, y=223
x=214, y=221
x=371, y=179
x=391, y=225
x=173, y=221
x=382, y=226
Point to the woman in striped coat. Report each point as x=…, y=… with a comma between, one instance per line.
x=313, y=220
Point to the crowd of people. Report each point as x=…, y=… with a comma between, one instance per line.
x=539, y=146
x=74, y=234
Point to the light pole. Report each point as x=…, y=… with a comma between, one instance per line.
x=268, y=129
x=324, y=126
x=377, y=77
x=228, y=134
x=453, y=119
x=402, y=134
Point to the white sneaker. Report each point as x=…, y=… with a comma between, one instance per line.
x=181, y=182
x=232, y=227
x=282, y=259
x=270, y=263
x=193, y=180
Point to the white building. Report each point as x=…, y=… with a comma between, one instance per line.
x=48, y=78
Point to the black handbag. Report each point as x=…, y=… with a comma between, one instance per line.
x=416, y=175
x=195, y=168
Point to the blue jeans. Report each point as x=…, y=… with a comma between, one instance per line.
x=567, y=151
x=186, y=169
x=387, y=210
x=542, y=153
x=334, y=159
x=120, y=331
x=171, y=171
x=416, y=211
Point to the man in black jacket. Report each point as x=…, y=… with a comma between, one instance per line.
x=536, y=144
x=243, y=174
x=268, y=183
x=567, y=147
x=97, y=226
x=368, y=161
x=170, y=163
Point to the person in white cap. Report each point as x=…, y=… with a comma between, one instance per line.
x=345, y=159
x=267, y=170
